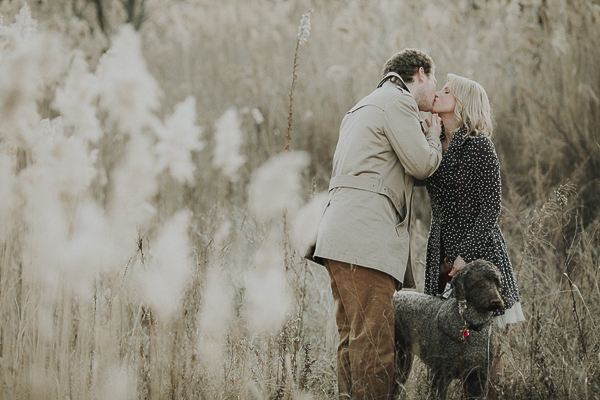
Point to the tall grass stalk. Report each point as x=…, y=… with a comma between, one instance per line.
x=303, y=33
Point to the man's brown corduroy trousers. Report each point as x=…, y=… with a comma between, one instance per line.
x=365, y=321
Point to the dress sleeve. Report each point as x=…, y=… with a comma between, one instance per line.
x=478, y=200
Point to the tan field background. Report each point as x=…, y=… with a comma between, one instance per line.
x=152, y=221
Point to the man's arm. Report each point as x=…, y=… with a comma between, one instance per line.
x=420, y=155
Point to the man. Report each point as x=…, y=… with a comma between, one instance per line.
x=363, y=238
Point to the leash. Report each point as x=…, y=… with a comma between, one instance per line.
x=467, y=326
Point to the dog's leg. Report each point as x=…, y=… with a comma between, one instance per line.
x=403, y=359
x=475, y=385
x=438, y=385
x=496, y=371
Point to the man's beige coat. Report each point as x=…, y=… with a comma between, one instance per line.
x=380, y=151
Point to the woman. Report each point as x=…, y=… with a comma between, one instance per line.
x=465, y=195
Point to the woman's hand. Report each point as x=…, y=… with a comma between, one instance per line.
x=435, y=126
x=458, y=264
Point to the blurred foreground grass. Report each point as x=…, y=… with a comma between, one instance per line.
x=249, y=318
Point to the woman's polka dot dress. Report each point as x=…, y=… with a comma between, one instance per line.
x=465, y=203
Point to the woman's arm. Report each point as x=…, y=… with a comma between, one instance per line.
x=479, y=198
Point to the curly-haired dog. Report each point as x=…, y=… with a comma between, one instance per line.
x=453, y=337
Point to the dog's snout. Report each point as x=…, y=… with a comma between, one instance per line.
x=497, y=304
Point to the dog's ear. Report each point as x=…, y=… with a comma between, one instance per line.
x=495, y=272
x=500, y=278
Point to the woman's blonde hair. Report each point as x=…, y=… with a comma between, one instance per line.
x=472, y=106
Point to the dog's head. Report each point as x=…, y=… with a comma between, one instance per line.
x=480, y=284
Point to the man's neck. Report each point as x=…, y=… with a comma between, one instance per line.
x=412, y=87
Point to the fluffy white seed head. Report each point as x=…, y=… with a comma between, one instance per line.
x=134, y=185
x=169, y=267
x=75, y=99
x=64, y=160
x=47, y=229
x=217, y=305
x=305, y=224
x=218, y=302
x=257, y=115
x=276, y=185
x=304, y=27
x=90, y=248
x=228, y=140
x=268, y=299
x=28, y=60
x=58, y=176
x=178, y=138
x=128, y=91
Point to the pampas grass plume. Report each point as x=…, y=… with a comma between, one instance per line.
x=128, y=92
x=68, y=159
x=305, y=224
x=47, y=229
x=228, y=138
x=257, y=115
x=90, y=249
x=267, y=296
x=215, y=318
x=275, y=186
x=217, y=305
x=75, y=100
x=170, y=266
x=178, y=138
x=134, y=185
x=29, y=60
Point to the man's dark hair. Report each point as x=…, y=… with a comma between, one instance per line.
x=407, y=63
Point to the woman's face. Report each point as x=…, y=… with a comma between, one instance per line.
x=444, y=101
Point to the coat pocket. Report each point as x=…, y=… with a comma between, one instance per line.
x=404, y=256
x=404, y=242
x=312, y=243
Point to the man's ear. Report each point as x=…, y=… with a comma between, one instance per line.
x=421, y=75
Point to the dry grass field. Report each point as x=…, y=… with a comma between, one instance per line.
x=152, y=222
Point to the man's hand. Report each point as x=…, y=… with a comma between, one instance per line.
x=435, y=125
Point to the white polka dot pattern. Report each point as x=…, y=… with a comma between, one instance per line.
x=466, y=202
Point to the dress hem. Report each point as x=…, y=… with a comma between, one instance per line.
x=510, y=316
